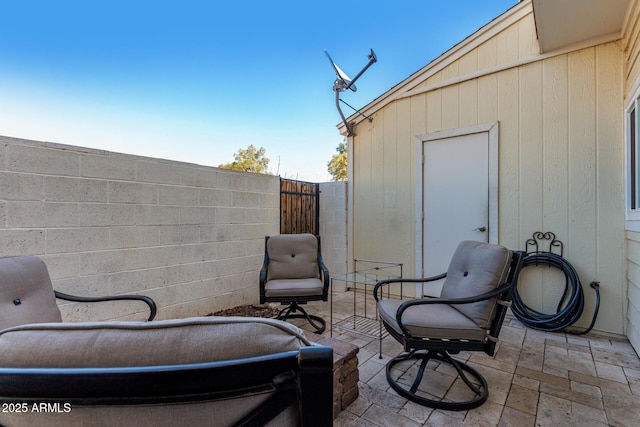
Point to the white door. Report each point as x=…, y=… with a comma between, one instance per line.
x=455, y=199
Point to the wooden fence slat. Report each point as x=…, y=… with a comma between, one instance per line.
x=299, y=207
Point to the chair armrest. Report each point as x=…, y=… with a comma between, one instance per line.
x=147, y=300
x=263, y=277
x=382, y=283
x=325, y=273
x=316, y=385
x=507, y=287
x=303, y=377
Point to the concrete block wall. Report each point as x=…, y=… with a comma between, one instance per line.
x=333, y=226
x=189, y=236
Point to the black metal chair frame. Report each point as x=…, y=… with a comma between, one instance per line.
x=426, y=349
x=153, y=309
x=293, y=304
x=304, y=376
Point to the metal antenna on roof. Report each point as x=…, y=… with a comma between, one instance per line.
x=344, y=82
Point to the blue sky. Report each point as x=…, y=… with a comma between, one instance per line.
x=197, y=80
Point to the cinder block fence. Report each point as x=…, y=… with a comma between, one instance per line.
x=333, y=226
x=189, y=236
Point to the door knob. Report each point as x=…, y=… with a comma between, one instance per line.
x=480, y=229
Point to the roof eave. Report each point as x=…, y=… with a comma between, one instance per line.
x=589, y=20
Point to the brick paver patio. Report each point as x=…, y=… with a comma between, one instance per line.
x=535, y=379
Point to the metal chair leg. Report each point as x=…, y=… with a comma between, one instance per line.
x=464, y=371
x=317, y=322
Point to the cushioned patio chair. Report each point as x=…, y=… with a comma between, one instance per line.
x=293, y=274
x=208, y=371
x=27, y=295
x=467, y=316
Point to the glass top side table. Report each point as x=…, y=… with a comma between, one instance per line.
x=361, y=282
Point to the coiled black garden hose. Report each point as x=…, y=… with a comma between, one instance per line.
x=570, y=306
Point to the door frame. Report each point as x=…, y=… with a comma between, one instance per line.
x=492, y=129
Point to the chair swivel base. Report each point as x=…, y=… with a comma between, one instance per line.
x=318, y=323
x=481, y=392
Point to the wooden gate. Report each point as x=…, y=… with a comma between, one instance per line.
x=299, y=207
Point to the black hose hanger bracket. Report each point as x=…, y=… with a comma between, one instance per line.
x=571, y=304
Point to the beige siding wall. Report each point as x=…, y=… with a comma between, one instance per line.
x=633, y=280
x=631, y=45
x=191, y=237
x=560, y=156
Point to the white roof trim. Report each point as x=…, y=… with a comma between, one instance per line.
x=517, y=12
x=506, y=66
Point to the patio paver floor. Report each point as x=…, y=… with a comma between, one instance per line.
x=535, y=379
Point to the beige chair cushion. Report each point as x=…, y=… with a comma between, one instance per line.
x=293, y=288
x=476, y=268
x=166, y=342
x=26, y=278
x=431, y=321
x=293, y=256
